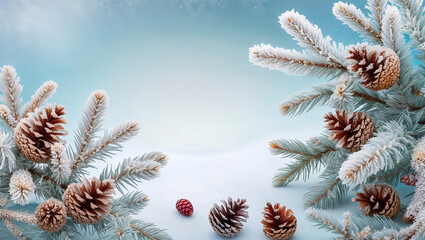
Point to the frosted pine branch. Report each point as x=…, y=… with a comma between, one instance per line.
x=380, y=152
x=129, y=204
x=44, y=93
x=392, y=37
x=292, y=62
x=326, y=194
x=11, y=90
x=7, y=117
x=7, y=156
x=310, y=37
x=303, y=102
x=131, y=171
x=91, y=121
x=18, y=216
x=356, y=20
x=413, y=20
x=376, y=8
x=122, y=227
x=61, y=165
x=14, y=229
x=308, y=158
x=108, y=144
x=354, y=226
x=324, y=220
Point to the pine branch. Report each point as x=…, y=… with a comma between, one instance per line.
x=7, y=118
x=377, y=8
x=41, y=96
x=310, y=37
x=305, y=101
x=293, y=63
x=11, y=90
x=324, y=220
x=125, y=228
x=60, y=163
x=129, y=204
x=131, y=171
x=359, y=226
x=326, y=194
x=380, y=152
x=108, y=144
x=14, y=229
x=413, y=18
x=356, y=20
x=91, y=121
x=392, y=37
x=308, y=157
x=18, y=216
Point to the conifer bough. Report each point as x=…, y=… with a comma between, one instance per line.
x=35, y=160
x=377, y=93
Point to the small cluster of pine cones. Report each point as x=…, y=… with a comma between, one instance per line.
x=279, y=223
x=379, y=69
x=86, y=202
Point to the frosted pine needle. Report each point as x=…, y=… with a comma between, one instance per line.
x=61, y=165
x=11, y=90
x=40, y=97
x=7, y=156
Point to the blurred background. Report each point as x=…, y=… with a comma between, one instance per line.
x=181, y=69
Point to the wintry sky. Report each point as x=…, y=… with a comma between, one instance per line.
x=180, y=68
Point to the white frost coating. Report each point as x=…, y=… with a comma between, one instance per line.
x=21, y=187
x=7, y=157
x=61, y=165
x=310, y=37
x=379, y=153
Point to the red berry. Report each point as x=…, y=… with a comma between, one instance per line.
x=184, y=207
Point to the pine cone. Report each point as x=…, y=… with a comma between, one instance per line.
x=51, y=215
x=381, y=199
x=409, y=179
x=89, y=201
x=185, y=207
x=279, y=223
x=378, y=66
x=227, y=219
x=351, y=129
x=35, y=134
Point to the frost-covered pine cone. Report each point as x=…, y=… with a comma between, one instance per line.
x=21, y=187
x=227, y=219
x=51, y=215
x=381, y=199
x=279, y=223
x=35, y=134
x=378, y=66
x=89, y=201
x=350, y=129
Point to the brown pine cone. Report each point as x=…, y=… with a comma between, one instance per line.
x=279, y=223
x=378, y=66
x=51, y=215
x=35, y=134
x=381, y=199
x=350, y=129
x=227, y=219
x=89, y=201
